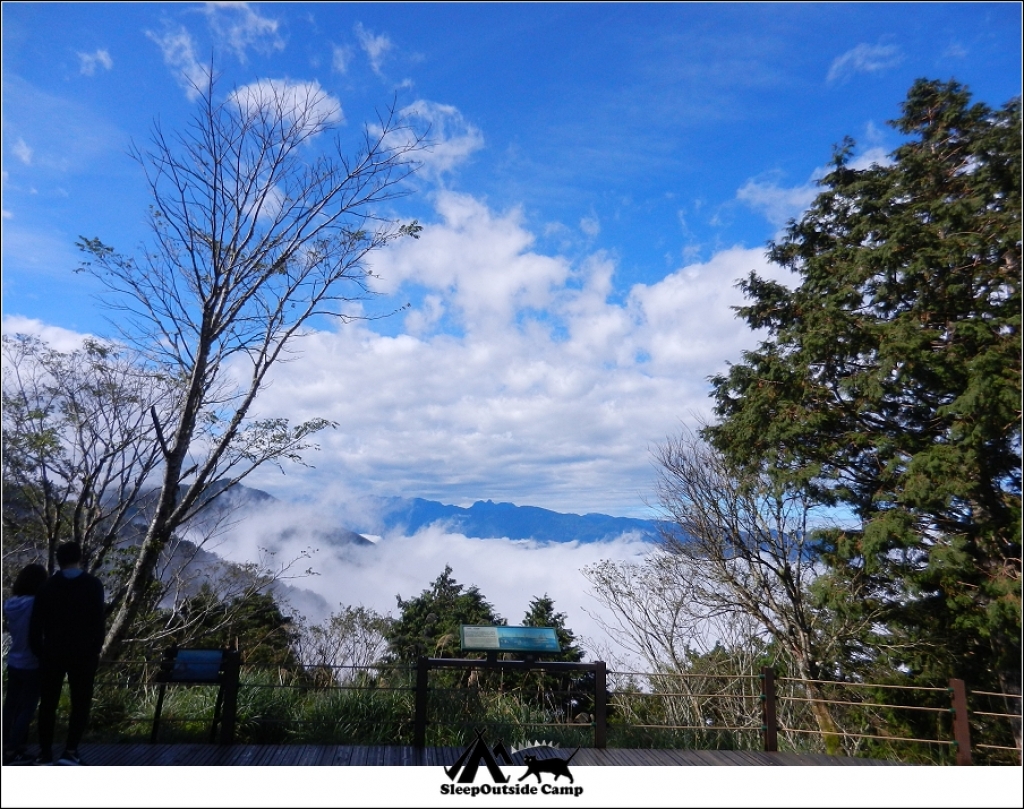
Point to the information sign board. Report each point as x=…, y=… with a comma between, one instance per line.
x=509, y=639
x=192, y=666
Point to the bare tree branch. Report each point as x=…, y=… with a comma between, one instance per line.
x=257, y=227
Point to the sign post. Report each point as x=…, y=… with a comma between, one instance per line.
x=527, y=641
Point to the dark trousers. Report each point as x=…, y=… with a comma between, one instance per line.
x=80, y=675
x=20, y=703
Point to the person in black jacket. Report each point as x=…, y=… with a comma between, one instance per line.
x=66, y=634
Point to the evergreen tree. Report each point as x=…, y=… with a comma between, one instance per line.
x=890, y=384
x=429, y=624
x=542, y=613
x=565, y=695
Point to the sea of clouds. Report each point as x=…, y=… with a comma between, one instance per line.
x=509, y=573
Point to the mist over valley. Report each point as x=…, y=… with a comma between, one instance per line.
x=365, y=551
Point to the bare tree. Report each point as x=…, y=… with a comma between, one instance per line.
x=346, y=645
x=690, y=652
x=198, y=597
x=256, y=230
x=78, y=445
x=649, y=610
x=79, y=448
x=750, y=550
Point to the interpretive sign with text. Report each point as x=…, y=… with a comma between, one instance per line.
x=509, y=639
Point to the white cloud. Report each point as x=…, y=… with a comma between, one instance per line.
x=235, y=25
x=67, y=136
x=685, y=322
x=509, y=573
x=22, y=151
x=778, y=204
x=481, y=261
x=591, y=226
x=875, y=156
x=241, y=28
x=340, y=57
x=873, y=134
x=304, y=104
x=864, y=58
x=376, y=47
x=955, y=51
x=179, y=54
x=58, y=338
x=90, y=61
x=451, y=139
x=517, y=375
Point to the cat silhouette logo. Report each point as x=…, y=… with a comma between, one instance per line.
x=475, y=755
x=556, y=766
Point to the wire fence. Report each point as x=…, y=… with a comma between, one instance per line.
x=377, y=704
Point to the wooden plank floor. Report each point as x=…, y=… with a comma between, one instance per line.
x=310, y=755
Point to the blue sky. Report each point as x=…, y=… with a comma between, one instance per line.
x=602, y=175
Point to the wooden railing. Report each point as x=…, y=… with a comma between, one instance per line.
x=759, y=711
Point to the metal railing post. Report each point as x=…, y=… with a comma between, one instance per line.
x=961, y=721
x=157, y=712
x=229, y=690
x=769, y=722
x=419, y=734
x=600, y=705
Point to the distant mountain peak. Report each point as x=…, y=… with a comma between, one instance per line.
x=487, y=519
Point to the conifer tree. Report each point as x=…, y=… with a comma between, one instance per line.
x=890, y=384
x=566, y=695
x=541, y=612
x=429, y=623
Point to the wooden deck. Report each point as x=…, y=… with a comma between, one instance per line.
x=298, y=755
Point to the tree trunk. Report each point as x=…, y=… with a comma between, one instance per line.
x=157, y=536
x=163, y=524
x=819, y=709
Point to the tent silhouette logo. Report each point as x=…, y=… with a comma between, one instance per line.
x=464, y=770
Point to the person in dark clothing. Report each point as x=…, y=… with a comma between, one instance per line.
x=66, y=634
x=22, y=694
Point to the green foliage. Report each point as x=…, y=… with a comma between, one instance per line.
x=562, y=696
x=257, y=627
x=713, y=705
x=890, y=384
x=541, y=612
x=429, y=624
x=371, y=716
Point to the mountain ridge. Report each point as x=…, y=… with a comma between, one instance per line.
x=372, y=515
x=487, y=519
